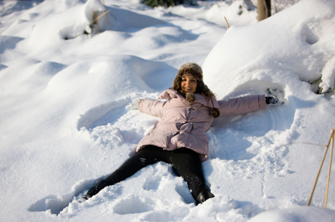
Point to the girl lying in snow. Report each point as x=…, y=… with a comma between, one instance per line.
x=179, y=138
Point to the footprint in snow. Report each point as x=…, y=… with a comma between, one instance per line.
x=55, y=204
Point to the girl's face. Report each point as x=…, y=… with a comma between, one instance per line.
x=188, y=84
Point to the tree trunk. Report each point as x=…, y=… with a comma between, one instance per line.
x=263, y=9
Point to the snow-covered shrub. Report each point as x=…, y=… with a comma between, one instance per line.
x=166, y=3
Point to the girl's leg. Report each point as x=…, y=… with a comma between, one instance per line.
x=187, y=164
x=146, y=156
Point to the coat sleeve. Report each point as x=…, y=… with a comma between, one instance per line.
x=151, y=107
x=241, y=105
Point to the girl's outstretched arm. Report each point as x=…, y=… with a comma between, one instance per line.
x=241, y=105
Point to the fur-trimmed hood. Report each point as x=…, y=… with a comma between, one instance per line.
x=192, y=69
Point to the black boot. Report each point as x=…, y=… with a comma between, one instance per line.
x=99, y=185
x=204, y=195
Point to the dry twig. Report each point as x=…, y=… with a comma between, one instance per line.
x=227, y=22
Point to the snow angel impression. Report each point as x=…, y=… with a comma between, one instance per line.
x=179, y=138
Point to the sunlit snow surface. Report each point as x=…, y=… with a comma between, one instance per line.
x=65, y=119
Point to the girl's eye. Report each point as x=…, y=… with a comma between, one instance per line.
x=190, y=80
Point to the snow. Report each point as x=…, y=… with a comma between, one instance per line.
x=66, y=117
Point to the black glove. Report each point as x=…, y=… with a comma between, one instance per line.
x=272, y=100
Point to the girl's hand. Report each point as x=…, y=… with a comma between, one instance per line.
x=273, y=99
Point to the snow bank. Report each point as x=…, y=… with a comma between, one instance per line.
x=236, y=12
x=275, y=51
x=308, y=214
x=64, y=25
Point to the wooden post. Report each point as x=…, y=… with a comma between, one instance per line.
x=331, y=139
x=263, y=9
x=330, y=167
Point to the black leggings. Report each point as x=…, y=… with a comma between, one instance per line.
x=185, y=163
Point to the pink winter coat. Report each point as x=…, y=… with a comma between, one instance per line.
x=185, y=125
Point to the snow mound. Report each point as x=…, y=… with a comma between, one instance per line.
x=301, y=48
x=306, y=214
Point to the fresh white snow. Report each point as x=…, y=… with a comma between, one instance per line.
x=66, y=117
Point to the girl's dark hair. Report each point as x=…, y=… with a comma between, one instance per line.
x=202, y=89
